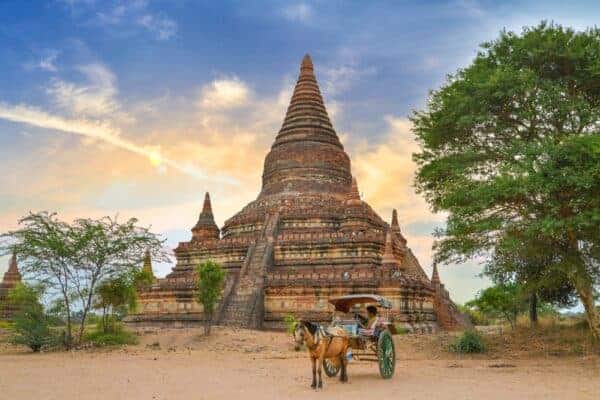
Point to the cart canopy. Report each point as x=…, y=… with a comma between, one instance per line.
x=345, y=303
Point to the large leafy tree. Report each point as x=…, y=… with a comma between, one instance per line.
x=75, y=258
x=511, y=152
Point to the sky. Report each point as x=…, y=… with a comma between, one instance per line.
x=138, y=107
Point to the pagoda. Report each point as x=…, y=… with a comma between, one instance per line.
x=308, y=236
x=11, y=278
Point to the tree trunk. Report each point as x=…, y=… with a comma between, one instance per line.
x=207, y=324
x=86, y=308
x=510, y=321
x=533, y=309
x=586, y=295
x=69, y=339
x=583, y=285
x=104, y=320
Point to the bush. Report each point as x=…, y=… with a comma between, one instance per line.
x=468, y=342
x=31, y=325
x=115, y=336
x=6, y=325
x=399, y=329
x=290, y=323
x=32, y=329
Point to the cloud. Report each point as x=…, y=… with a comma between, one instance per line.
x=341, y=78
x=95, y=98
x=385, y=173
x=222, y=94
x=299, y=12
x=99, y=130
x=165, y=28
x=48, y=62
x=471, y=7
x=124, y=15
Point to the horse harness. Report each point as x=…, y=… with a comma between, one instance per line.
x=321, y=334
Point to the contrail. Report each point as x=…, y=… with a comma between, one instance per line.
x=101, y=131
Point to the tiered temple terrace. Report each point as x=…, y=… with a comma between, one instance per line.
x=308, y=236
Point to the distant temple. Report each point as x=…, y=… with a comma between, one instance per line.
x=308, y=236
x=11, y=278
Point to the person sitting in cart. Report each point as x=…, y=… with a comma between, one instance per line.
x=370, y=323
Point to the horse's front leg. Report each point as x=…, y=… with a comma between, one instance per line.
x=314, y=372
x=320, y=366
x=344, y=364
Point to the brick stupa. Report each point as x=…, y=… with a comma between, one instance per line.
x=11, y=278
x=308, y=236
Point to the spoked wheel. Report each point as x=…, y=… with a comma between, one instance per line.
x=331, y=366
x=386, y=355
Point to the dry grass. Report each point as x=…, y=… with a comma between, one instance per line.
x=551, y=338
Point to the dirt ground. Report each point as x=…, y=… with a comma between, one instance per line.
x=180, y=364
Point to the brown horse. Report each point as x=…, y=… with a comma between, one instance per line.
x=322, y=346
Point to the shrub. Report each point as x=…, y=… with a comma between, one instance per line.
x=31, y=325
x=290, y=323
x=400, y=329
x=115, y=336
x=6, y=325
x=32, y=329
x=468, y=342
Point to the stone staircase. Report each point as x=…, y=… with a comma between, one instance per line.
x=243, y=306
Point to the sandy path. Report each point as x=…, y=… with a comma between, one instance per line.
x=267, y=369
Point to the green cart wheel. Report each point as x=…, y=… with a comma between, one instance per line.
x=386, y=355
x=331, y=366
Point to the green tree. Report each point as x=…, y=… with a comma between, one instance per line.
x=531, y=264
x=113, y=295
x=73, y=259
x=505, y=301
x=31, y=325
x=211, y=277
x=510, y=150
x=118, y=295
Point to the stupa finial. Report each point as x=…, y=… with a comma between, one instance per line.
x=306, y=62
x=394, y=225
x=206, y=207
x=388, y=253
x=12, y=275
x=435, y=276
x=205, y=228
x=353, y=194
x=12, y=266
x=148, y=263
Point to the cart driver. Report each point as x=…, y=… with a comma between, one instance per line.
x=369, y=324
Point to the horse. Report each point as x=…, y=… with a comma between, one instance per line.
x=322, y=346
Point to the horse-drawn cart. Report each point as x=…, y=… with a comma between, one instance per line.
x=374, y=344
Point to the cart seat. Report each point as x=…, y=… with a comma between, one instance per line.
x=349, y=326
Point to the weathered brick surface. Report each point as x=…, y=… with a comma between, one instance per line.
x=307, y=236
x=11, y=278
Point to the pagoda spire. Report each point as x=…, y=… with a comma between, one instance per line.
x=435, y=276
x=12, y=275
x=207, y=207
x=353, y=194
x=148, y=263
x=205, y=228
x=307, y=64
x=12, y=265
x=307, y=155
x=394, y=225
x=388, y=253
